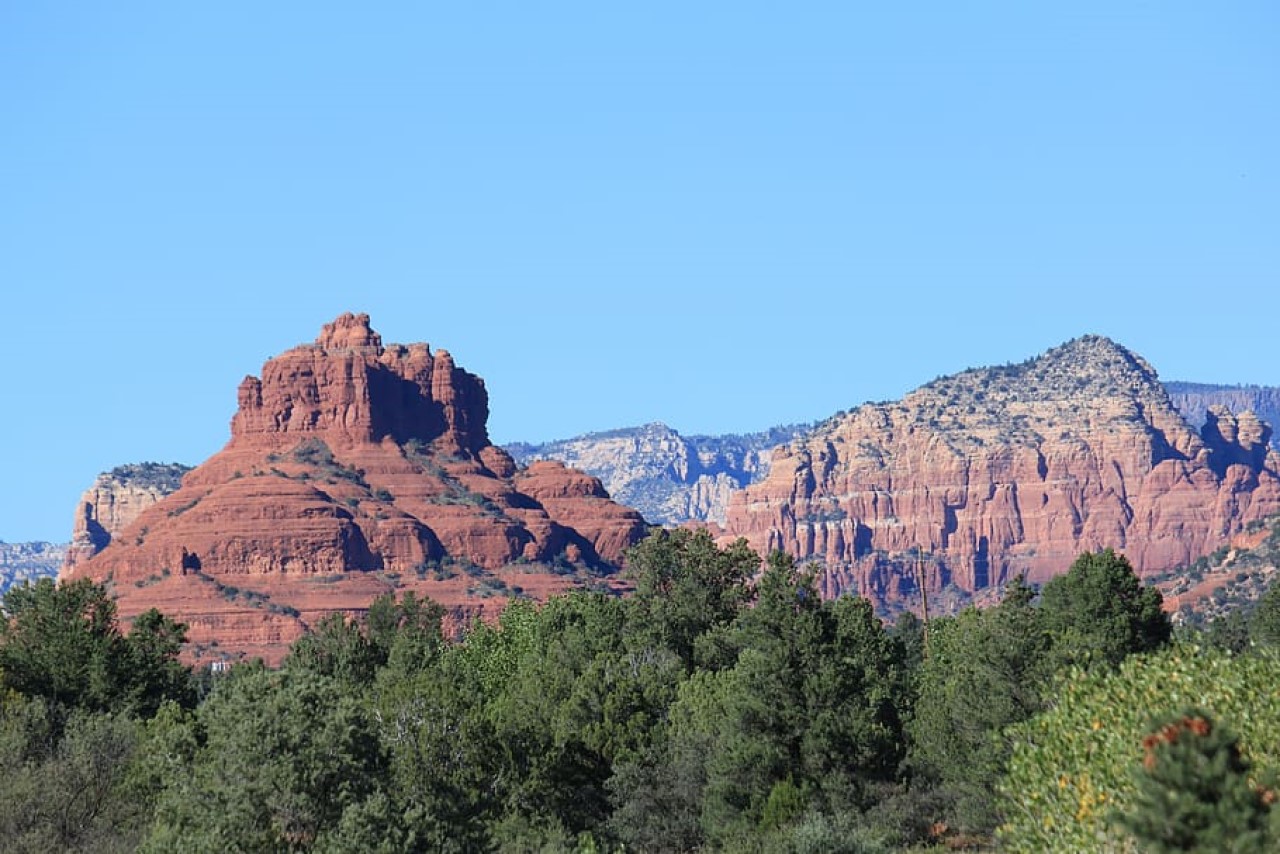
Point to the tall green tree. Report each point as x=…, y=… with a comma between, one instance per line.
x=1231, y=632
x=406, y=634
x=987, y=669
x=551, y=734
x=1099, y=611
x=339, y=648
x=805, y=719
x=1264, y=623
x=403, y=635
x=63, y=642
x=686, y=585
x=151, y=671
x=443, y=754
x=64, y=784
x=285, y=759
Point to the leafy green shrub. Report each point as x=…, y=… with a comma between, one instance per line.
x=1072, y=766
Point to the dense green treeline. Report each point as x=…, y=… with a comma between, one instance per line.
x=723, y=706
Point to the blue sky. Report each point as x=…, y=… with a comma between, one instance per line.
x=719, y=215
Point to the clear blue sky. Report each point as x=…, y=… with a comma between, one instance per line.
x=719, y=215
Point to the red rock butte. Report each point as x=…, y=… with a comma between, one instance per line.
x=997, y=472
x=356, y=469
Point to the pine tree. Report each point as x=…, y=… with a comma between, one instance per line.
x=1194, y=792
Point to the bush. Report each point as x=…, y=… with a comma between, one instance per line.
x=1073, y=766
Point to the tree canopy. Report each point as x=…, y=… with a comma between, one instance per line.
x=723, y=706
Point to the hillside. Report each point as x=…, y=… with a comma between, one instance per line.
x=669, y=478
x=672, y=479
x=1230, y=579
x=996, y=472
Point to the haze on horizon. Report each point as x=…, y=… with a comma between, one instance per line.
x=724, y=217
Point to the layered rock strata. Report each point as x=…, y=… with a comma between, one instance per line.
x=355, y=468
x=996, y=472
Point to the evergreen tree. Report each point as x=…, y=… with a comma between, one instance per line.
x=1230, y=632
x=285, y=760
x=1264, y=624
x=1194, y=793
x=62, y=642
x=987, y=669
x=1099, y=611
x=686, y=586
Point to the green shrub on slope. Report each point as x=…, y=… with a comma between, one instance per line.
x=1072, y=769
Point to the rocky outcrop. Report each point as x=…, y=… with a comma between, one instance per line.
x=671, y=479
x=354, y=467
x=995, y=472
x=116, y=499
x=21, y=562
x=1194, y=400
x=1232, y=440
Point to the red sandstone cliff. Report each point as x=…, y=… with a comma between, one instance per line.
x=354, y=469
x=1001, y=471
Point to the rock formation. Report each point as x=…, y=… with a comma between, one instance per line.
x=21, y=562
x=979, y=477
x=353, y=469
x=1194, y=400
x=670, y=478
x=117, y=498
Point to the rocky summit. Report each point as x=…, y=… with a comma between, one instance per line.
x=355, y=469
x=976, y=478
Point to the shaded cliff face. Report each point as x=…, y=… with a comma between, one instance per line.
x=991, y=473
x=1193, y=400
x=671, y=479
x=115, y=500
x=355, y=469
